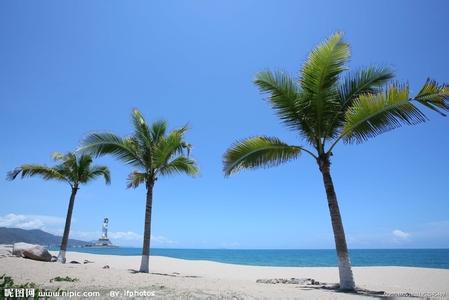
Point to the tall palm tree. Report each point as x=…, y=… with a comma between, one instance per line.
x=73, y=170
x=324, y=107
x=153, y=152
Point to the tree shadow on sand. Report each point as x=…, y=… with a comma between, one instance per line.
x=358, y=291
x=175, y=274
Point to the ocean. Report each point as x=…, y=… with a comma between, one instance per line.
x=426, y=258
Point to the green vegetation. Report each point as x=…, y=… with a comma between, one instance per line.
x=152, y=152
x=67, y=278
x=72, y=169
x=324, y=107
x=7, y=283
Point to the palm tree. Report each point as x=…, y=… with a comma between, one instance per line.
x=72, y=169
x=324, y=108
x=153, y=153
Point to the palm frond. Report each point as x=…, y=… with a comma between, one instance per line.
x=83, y=163
x=257, y=152
x=29, y=170
x=125, y=149
x=158, y=130
x=366, y=81
x=141, y=129
x=68, y=165
x=180, y=165
x=286, y=99
x=434, y=96
x=58, y=156
x=188, y=147
x=73, y=169
x=318, y=79
x=324, y=65
x=142, y=137
x=97, y=171
x=149, y=148
x=135, y=179
x=179, y=133
x=283, y=94
x=168, y=146
x=373, y=114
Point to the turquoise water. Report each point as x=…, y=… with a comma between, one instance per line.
x=426, y=258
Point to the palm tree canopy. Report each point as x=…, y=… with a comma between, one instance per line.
x=73, y=169
x=150, y=149
x=259, y=152
x=325, y=105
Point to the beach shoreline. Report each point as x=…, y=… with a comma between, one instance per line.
x=178, y=278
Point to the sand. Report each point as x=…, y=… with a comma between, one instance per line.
x=188, y=279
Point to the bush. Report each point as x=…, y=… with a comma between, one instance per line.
x=7, y=285
x=67, y=278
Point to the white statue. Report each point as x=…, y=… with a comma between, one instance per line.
x=104, y=241
x=105, y=228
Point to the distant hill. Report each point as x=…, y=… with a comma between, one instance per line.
x=34, y=236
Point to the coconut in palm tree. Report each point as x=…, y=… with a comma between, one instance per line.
x=72, y=169
x=326, y=106
x=152, y=152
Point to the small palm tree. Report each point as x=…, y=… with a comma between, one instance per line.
x=326, y=108
x=153, y=153
x=72, y=169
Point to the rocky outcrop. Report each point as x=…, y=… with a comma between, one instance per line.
x=35, y=252
x=18, y=248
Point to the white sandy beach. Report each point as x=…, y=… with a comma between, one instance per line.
x=177, y=278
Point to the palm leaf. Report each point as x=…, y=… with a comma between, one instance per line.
x=324, y=65
x=28, y=170
x=168, y=146
x=285, y=99
x=58, y=156
x=73, y=169
x=366, y=81
x=97, y=171
x=257, y=152
x=283, y=94
x=125, y=149
x=318, y=79
x=373, y=114
x=141, y=130
x=83, y=166
x=434, y=96
x=158, y=130
x=180, y=165
x=135, y=179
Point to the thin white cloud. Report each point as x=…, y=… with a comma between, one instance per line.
x=230, y=245
x=113, y=235
x=84, y=235
x=125, y=235
x=31, y=221
x=401, y=234
x=55, y=226
x=122, y=237
x=162, y=240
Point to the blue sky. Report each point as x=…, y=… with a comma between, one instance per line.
x=69, y=68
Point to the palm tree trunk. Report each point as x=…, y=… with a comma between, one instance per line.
x=145, y=262
x=344, y=266
x=68, y=221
